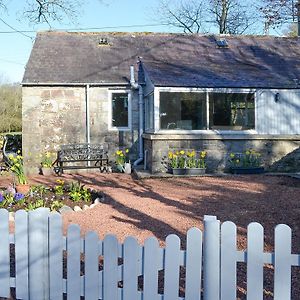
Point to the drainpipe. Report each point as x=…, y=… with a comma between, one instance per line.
x=136, y=86
x=87, y=119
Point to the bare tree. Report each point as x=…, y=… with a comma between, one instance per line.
x=279, y=12
x=229, y=16
x=47, y=11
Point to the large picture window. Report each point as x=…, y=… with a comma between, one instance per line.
x=183, y=111
x=202, y=111
x=120, y=110
x=231, y=111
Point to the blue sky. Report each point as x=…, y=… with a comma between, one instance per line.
x=15, y=48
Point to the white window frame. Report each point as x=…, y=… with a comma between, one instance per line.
x=110, y=95
x=157, y=91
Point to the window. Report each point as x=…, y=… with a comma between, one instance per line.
x=231, y=111
x=120, y=110
x=201, y=111
x=149, y=112
x=182, y=111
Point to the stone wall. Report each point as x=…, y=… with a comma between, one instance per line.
x=279, y=153
x=53, y=116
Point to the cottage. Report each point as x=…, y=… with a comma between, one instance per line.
x=214, y=93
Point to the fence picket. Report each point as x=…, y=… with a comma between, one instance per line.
x=4, y=255
x=228, y=261
x=38, y=254
x=282, y=274
x=151, y=257
x=131, y=268
x=110, y=269
x=73, y=262
x=193, y=264
x=255, y=263
x=21, y=252
x=172, y=267
x=211, y=263
x=91, y=290
x=55, y=256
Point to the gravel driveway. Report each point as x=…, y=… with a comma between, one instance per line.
x=159, y=207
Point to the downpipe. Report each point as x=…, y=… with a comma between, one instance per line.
x=136, y=86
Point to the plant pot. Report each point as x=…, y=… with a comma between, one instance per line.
x=195, y=171
x=178, y=171
x=247, y=170
x=23, y=188
x=47, y=171
x=127, y=168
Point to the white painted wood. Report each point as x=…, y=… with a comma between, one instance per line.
x=255, y=263
x=73, y=262
x=151, y=254
x=131, y=269
x=193, y=264
x=38, y=254
x=228, y=261
x=91, y=286
x=110, y=271
x=282, y=274
x=4, y=254
x=21, y=252
x=211, y=262
x=55, y=256
x=172, y=267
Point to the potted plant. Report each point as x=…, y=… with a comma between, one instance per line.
x=122, y=161
x=195, y=165
x=16, y=167
x=248, y=162
x=177, y=162
x=47, y=159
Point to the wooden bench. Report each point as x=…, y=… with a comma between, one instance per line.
x=81, y=156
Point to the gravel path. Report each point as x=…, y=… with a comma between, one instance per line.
x=159, y=207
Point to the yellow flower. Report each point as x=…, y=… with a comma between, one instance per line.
x=232, y=155
x=170, y=154
x=188, y=153
x=18, y=151
x=193, y=153
x=203, y=154
x=17, y=165
x=177, y=152
x=127, y=150
x=11, y=156
x=182, y=152
x=237, y=161
x=247, y=152
x=48, y=154
x=121, y=154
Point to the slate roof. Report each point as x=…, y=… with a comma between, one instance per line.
x=169, y=59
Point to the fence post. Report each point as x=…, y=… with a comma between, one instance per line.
x=38, y=254
x=211, y=258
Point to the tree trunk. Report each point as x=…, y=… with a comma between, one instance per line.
x=223, y=17
x=298, y=16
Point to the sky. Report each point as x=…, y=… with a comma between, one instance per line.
x=15, y=47
x=106, y=15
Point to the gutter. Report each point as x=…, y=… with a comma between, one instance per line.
x=71, y=84
x=135, y=85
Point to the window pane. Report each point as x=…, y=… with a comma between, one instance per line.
x=233, y=111
x=120, y=110
x=149, y=112
x=182, y=111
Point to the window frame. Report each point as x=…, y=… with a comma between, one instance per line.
x=110, y=110
x=207, y=91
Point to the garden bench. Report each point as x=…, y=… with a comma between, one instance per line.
x=81, y=156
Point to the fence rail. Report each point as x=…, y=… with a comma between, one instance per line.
x=47, y=264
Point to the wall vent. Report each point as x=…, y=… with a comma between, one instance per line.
x=103, y=41
x=222, y=43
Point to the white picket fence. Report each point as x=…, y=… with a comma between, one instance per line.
x=109, y=270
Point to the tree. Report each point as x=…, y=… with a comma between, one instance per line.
x=47, y=11
x=229, y=16
x=279, y=12
x=10, y=108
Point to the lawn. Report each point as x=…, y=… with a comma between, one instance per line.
x=159, y=207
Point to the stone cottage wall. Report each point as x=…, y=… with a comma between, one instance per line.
x=279, y=153
x=53, y=116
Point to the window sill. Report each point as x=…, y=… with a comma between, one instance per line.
x=119, y=129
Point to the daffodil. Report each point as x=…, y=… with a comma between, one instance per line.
x=127, y=150
x=182, y=152
x=232, y=155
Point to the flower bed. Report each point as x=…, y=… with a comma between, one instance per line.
x=55, y=197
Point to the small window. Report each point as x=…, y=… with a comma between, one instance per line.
x=120, y=110
x=149, y=112
x=231, y=111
